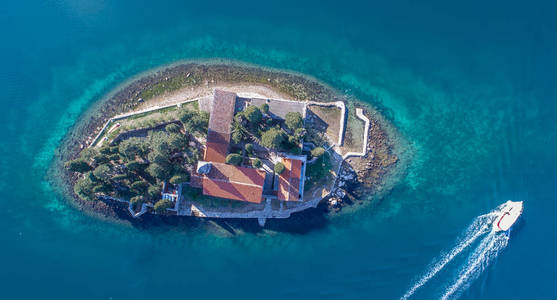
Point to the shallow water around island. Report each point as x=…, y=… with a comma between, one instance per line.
x=470, y=87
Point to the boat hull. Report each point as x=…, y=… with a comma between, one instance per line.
x=510, y=213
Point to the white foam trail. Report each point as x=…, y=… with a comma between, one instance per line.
x=488, y=249
x=479, y=226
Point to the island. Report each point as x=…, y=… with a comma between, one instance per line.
x=222, y=140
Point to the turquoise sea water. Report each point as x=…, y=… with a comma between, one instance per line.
x=471, y=86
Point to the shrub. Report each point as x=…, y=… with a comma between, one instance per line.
x=234, y=159
x=102, y=172
x=172, y=128
x=273, y=138
x=78, y=165
x=293, y=120
x=256, y=163
x=162, y=205
x=279, y=168
x=179, y=178
x=253, y=114
x=265, y=108
x=249, y=148
x=317, y=151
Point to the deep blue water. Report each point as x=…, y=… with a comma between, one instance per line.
x=470, y=85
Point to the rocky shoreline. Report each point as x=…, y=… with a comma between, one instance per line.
x=359, y=175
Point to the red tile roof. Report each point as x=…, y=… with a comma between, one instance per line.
x=215, y=152
x=232, y=182
x=222, y=111
x=226, y=181
x=227, y=190
x=218, y=135
x=289, y=180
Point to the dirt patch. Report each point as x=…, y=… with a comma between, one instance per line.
x=327, y=119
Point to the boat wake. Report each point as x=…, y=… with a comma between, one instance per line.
x=489, y=246
x=478, y=261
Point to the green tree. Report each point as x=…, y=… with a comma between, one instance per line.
x=237, y=137
x=185, y=115
x=238, y=132
x=120, y=177
x=136, y=202
x=100, y=159
x=158, y=171
x=179, y=178
x=87, y=154
x=265, y=108
x=317, y=151
x=194, y=121
x=269, y=122
x=249, y=148
x=162, y=205
x=139, y=187
x=234, y=159
x=300, y=132
x=159, y=158
x=273, y=138
x=77, y=165
x=154, y=191
x=102, y=188
x=253, y=114
x=239, y=117
x=177, y=141
x=83, y=187
x=293, y=140
x=279, y=168
x=105, y=150
x=293, y=120
x=114, y=157
x=132, y=147
x=159, y=142
x=135, y=166
x=173, y=127
x=102, y=172
x=256, y=163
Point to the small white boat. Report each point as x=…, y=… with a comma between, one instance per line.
x=509, y=214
